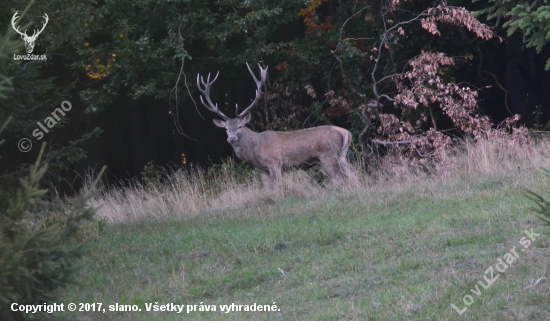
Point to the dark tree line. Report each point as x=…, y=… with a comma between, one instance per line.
x=129, y=70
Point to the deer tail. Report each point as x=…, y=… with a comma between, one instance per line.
x=347, y=143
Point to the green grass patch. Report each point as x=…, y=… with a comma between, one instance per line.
x=382, y=255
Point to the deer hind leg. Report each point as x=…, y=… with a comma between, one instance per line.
x=344, y=167
x=337, y=168
x=331, y=166
x=271, y=179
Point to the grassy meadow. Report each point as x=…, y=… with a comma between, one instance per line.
x=401, y=244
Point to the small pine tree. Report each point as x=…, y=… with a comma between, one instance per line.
x=40, y=244
x=528, y=16
x=543, y=205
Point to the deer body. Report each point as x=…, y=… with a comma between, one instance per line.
x=271, y=152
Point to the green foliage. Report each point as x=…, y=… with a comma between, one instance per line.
x=538, y=125
x=4, y=127
x=132, y=50
x=7, y=47
x=150, y=176
x=531, y=17
x=32, y=94
x=40, y=243
x=30, y=91
x=125, y=53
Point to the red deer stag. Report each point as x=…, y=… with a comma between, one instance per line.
x=270, y=152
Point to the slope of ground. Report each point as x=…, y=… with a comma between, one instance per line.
x=395, y=249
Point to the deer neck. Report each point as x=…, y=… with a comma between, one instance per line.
x=246, y=145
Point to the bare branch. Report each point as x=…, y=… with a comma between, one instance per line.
x=494, y=77
x=175, y=111
x=344, y=25
x=387, y=97
x=386, y=143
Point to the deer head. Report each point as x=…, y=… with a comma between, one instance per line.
x=233, y=126
x=29, y=40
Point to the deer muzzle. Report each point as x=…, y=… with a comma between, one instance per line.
x=232, y=139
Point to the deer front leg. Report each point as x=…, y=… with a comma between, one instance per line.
x=266, y=181
x=272, y=178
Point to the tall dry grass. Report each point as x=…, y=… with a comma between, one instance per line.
x=188, y=193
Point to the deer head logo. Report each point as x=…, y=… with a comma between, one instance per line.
x=29, y=40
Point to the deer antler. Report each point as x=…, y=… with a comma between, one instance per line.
x=35, y=33
x=206, y=93
x=46, y=18
x=17, y=28
x=259, y=83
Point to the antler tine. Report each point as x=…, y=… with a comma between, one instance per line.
x=43, y=25
x=206, y=93
x=259, y=84
x=13, y=24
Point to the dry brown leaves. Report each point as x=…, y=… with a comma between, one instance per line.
x=422, y=87
x=458, y=17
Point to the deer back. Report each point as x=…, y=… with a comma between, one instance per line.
x=292, y=149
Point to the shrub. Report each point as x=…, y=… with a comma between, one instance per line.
x=40, y=243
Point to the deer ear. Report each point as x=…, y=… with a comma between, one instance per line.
x=246, y=118
x=220, y=123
